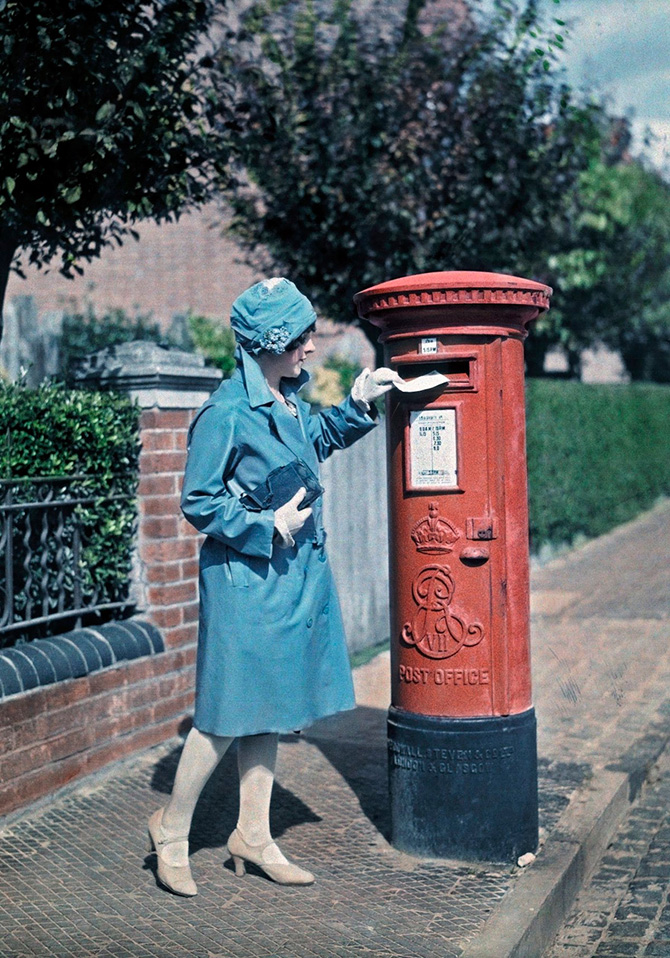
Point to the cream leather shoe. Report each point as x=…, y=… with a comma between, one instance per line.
x=288, y=874
x=176, y=878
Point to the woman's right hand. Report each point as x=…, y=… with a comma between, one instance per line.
x=290, y=519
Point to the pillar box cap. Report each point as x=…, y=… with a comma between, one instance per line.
x=479, y=301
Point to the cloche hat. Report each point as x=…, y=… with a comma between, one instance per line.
x=270, y=315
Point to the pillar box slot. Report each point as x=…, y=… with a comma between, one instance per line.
x=459, y=372
x=462, y=734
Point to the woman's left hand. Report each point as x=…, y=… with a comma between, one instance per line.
x=290, y=518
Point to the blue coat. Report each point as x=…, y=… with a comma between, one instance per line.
x=272, y=655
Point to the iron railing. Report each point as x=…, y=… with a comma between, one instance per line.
x=46, y=582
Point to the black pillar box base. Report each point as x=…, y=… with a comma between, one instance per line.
x=463, y=788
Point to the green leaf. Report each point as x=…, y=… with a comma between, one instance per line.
x=9, y=184
x=72, y=195
x=105, y=111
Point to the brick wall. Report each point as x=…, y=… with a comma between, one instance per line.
x=53, y=735
x=174, y=268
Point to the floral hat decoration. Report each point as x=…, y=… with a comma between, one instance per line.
x=270, y=315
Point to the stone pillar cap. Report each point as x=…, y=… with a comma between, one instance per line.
x=146, y=365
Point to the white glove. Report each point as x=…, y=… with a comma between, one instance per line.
x=289, y=519
x=369, y=386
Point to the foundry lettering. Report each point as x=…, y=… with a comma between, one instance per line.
x=448, y=761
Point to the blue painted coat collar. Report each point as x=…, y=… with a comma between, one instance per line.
x=255, y=384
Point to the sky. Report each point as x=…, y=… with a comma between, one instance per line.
x=621, y=49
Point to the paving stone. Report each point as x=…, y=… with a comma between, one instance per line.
x=75, y=879
x=638, y=917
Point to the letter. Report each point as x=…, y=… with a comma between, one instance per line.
x=424, y=672
x=401, y=672
x=439, y=676
x=484, y=677
x=448, y=676
x=458, y=676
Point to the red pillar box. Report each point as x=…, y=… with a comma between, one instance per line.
x=462, y=732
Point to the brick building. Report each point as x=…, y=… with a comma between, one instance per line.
x=173, y=269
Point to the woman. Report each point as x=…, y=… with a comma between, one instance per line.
x=272, y=656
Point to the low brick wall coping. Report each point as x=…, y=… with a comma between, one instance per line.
x=74, y=654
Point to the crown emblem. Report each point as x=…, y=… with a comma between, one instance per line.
x=434, y=534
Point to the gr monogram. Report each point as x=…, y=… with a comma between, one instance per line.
x=436, y=629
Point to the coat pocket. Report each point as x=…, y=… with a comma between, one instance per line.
x=245, y=570
x=237, y=568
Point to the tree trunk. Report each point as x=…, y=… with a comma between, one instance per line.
x=8, y=246
x=635, y=359
x=535, y=351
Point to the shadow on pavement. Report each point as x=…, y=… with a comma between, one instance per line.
x=355, y=745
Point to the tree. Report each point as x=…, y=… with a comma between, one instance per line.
x=365, y=151
x=612, y=275
x=103, y=122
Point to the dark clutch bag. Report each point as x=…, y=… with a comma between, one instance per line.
x=281, y=485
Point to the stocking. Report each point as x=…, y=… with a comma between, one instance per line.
x=200, y=756
x=256, y=759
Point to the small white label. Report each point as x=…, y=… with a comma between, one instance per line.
x=433, y=449
x=428, y=346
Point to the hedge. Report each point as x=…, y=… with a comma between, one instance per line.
x=55, y=431
x=597, y=456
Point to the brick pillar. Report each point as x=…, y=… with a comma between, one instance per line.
x=170, y=386
x=167, y=546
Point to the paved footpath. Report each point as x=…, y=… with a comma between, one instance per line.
x=624, y=908
x=75, y=879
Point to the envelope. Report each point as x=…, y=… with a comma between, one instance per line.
x=422, y=383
